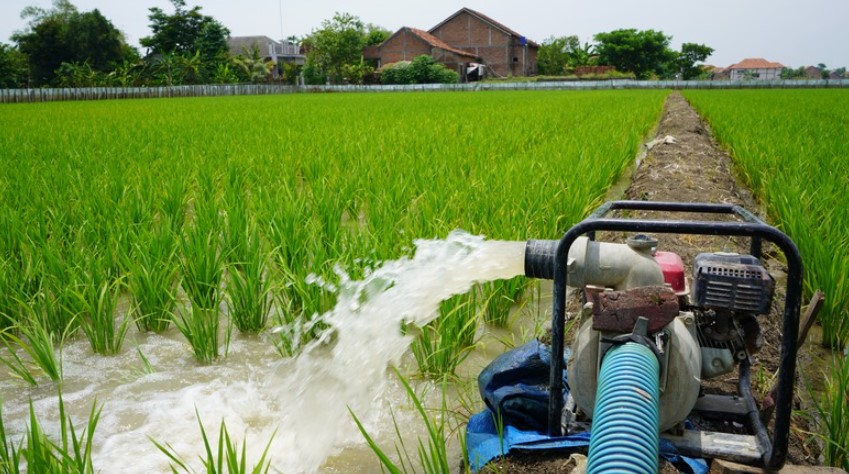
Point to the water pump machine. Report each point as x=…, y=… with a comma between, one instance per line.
x=648, y=337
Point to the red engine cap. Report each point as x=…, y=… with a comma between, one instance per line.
x=673, y=269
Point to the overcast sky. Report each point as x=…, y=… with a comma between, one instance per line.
x=792, y=32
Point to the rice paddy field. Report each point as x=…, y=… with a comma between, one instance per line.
x=792, y=149
x=163, y=261
x=161, y=239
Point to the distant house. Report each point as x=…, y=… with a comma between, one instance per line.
x=755, y=68
x=503, y=50
x=408, y=43
x=813, y=72
x=461, y=42
x=277, y=52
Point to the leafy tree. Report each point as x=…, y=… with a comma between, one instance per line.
x=337, y=45
x=13, y=67
x=644, y=53
x=790, y=73
x=553, y=55
x=376, y=35
x=686, y=60
x=253, y=66
x=557, y=56
x=64, y=35
x=178, y=32
x=194, y=42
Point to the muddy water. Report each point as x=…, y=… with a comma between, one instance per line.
x=302, y=403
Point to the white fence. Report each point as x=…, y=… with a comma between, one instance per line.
x=103, y=93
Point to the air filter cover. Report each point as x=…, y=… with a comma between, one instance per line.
x=732, y=281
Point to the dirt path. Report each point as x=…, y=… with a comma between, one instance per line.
x=684, y=164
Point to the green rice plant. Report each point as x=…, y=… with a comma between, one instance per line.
x=431, y=455
x=37, y=342
x=172, y=205
x=790, y=147
x=152, y=280
x=202, y=265
x=200, y=327
x=100, y=298
x=249, y=290
x=63, y=284
x=71, y=453
x=832, y=419
x=503, y=295
x=10, y=454
x=443, y=344
x=227, y=457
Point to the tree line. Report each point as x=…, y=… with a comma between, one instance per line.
x=64, y=47
x=644, y=54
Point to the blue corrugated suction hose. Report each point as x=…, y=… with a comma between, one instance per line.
x=624, y=436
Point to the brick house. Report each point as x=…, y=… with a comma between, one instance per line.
x=755, y=68
x=463, y=38
x=408, y=43
x=502, y=49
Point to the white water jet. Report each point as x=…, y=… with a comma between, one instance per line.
x=304, y=400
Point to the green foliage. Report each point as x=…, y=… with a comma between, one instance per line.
x=421, y=70
x=13, y=67
x=64, y=35
x=185, y=32
x=558, y=55
x=644, y=53
x=188, y=46
x=790, y=73
x=253, y=66
x=336, y=46
x=685, y=61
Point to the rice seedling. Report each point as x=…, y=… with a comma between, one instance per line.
x=100, y=300
x=37, y=342
x=63, y=284
x=200, y=327
x=10, y=454
x=172, y=206
x=152, y=280
x=832, y=409
x=502, y=296
x=71, y=453
x=202, y=264
x=248, y=290
x=227, y=457
x=446, y=342
x=431, y=455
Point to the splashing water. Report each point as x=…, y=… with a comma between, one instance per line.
x=304, y=400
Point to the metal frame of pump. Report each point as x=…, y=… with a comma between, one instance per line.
x=769, y=452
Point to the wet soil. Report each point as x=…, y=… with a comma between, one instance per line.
x=683, y=163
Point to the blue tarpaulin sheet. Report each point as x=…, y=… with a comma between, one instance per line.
x=517, y=382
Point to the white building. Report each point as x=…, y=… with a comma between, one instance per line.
x=755, y=68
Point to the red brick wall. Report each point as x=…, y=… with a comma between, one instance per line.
x=495, y=47
x=403, y=47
